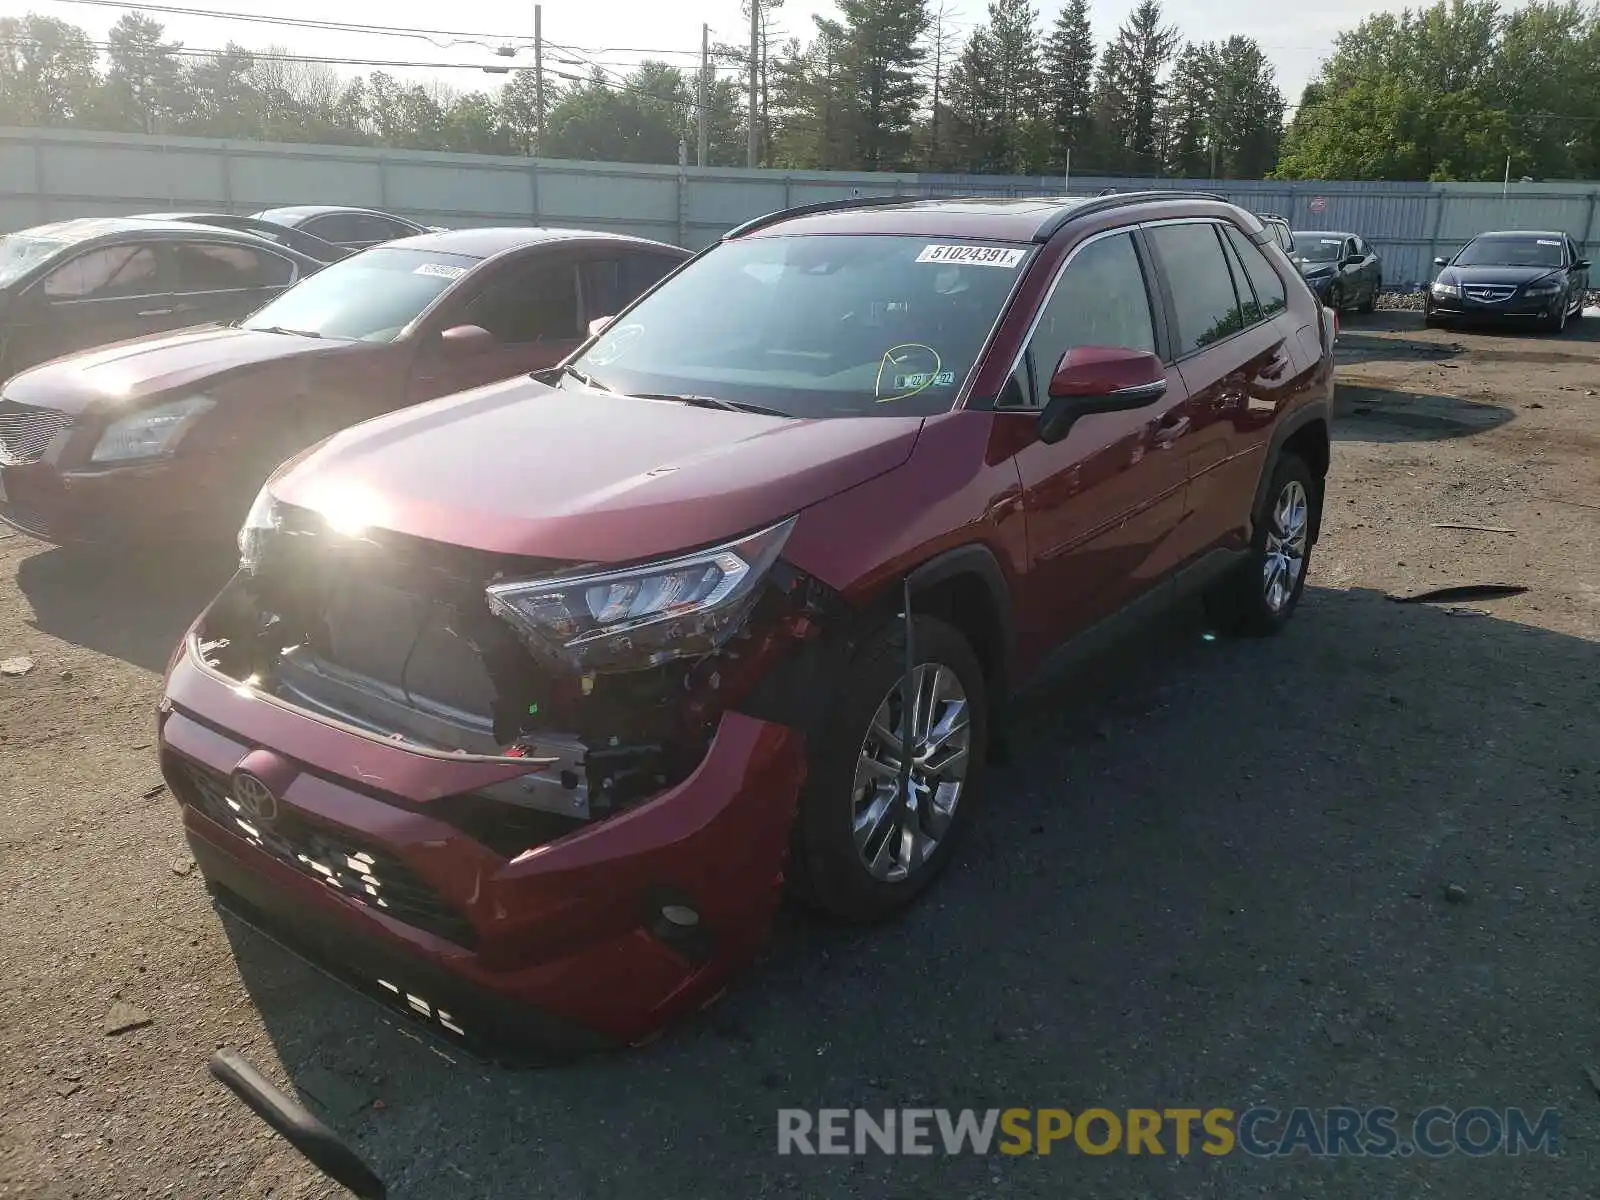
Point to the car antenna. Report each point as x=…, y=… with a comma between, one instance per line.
x=907, y=705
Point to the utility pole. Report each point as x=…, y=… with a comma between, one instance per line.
x=755, y=51
x=538, y=77
x=938, y=69
x=702, y=122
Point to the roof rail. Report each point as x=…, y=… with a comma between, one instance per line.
x=1050, y=228
x=821, y=206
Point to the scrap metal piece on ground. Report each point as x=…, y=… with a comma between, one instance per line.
x=1475, y=528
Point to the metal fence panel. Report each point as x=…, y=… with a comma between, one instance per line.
x=49, y=174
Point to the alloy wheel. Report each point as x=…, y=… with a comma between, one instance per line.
x=896, y=834
x=1285, y=557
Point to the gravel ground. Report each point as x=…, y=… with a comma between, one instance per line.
x=1215, y=875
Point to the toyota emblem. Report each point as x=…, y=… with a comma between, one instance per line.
x=254, y=798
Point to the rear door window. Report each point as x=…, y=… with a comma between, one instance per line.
x=339, y=228
x=611, y=284
x=1203, y=299
x=218, y=267
x=107, y=273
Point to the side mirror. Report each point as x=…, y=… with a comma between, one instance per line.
x=1099, y=379
x=463, y=341
x=1583, y=264
x=598, y=325
x=1351, y=260
x=1441, y=262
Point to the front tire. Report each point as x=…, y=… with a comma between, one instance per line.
x=859, y=852
x=1261, y=595
x=1370, y=304
x=1558, y=319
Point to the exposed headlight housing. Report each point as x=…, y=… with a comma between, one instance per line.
x=263, y=520
x=150, y=432
x=635, y=617
x=1446, y=289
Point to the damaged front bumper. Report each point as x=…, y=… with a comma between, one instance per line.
x=599, y=936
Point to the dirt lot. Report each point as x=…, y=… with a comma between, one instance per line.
x=1214, y=875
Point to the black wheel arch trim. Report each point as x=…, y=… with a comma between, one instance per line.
x=1282, y=432
x=975, y=559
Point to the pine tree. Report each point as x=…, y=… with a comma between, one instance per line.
x=1128, y=86
x=1068, y=81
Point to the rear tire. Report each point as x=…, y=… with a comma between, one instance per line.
x=848, y=857
x=1261, y=594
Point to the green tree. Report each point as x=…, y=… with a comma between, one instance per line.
x=1128, y=91
x=47, y=72
x=1068, y=62
x=996, y=90
x=142, y=90
x=882, y=51
x=642, y=119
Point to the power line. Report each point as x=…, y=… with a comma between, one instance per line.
x=308, y=22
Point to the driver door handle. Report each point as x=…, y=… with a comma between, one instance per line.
x=1170, y=428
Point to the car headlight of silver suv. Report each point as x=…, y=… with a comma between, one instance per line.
x=636, y=617
x=149, y=432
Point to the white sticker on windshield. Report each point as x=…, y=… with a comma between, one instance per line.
x=442, y=270
x=1330, y=241
x=976, y=256
x=1549, y=242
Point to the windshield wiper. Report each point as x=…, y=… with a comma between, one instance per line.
x=586, y=380
x=280, y=329
x=697, y=401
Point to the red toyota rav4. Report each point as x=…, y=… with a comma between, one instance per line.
x=524, y=702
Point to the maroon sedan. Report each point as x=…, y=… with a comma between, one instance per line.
x=172, y=434
x=524, y=702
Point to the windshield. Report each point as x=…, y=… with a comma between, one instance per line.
x=370, y=297
x=1510, y=252
x=1316, y=248
x=19, y=254
x=820, y=326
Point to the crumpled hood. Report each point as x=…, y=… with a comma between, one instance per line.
x=127, y=372
x=1504, y=276
x=522, y=468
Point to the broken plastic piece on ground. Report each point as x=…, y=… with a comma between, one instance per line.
x=1468, y=591
x=16, y=666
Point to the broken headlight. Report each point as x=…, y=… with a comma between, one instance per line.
x=640, y=616
x=260, y=524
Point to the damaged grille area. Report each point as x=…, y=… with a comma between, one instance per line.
x=374, y=877
x=25, y=432
x=394, y=635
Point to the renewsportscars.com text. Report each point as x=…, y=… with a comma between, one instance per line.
x=1260, y=1132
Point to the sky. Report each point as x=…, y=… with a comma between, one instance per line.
x=614, y=32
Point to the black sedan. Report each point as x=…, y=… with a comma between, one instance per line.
x=352, y=228
x=1516, y=276
x=284, y=235
x=1341, y=268
x=85, y=282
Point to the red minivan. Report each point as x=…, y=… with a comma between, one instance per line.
x=524, y=702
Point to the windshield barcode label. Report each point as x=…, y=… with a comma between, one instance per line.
x=976, y=256
x=442, y=270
